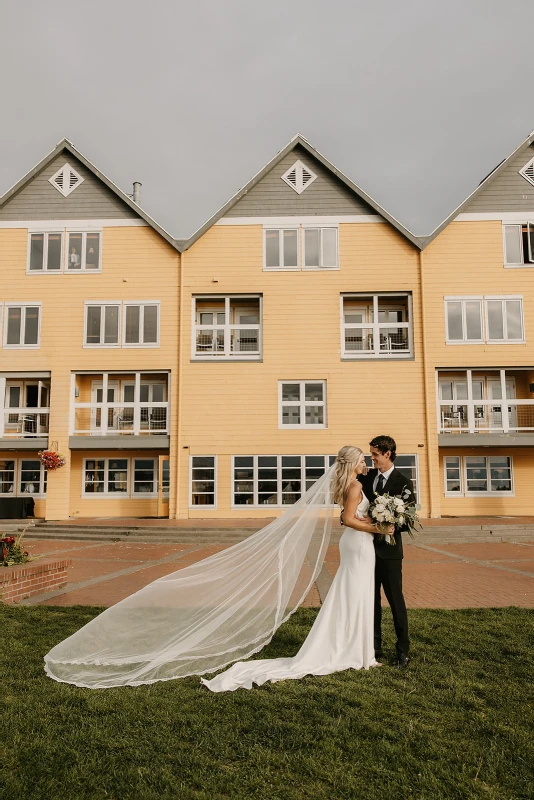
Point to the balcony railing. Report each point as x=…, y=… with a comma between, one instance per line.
x=487, y=416
x=22, y=423
x=114, y=419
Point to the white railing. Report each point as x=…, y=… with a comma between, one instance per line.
x=22, y=423
x=113, y=419
x=486, y=416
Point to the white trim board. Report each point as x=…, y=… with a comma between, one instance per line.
x=73, y=224
x=294, y=221
x=498, y=216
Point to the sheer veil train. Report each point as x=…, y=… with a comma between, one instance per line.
x=207, y=615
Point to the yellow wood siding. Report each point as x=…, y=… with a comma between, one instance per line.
x=231, y=408
x=137, y=264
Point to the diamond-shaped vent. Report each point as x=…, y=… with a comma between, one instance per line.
x=299, y=177
x=66, y=180
x=528, y=172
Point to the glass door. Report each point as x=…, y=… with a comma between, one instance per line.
x=495, y=393
x=163, y=486
x=97, y=396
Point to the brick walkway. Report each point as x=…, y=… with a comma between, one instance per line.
x=435, y=576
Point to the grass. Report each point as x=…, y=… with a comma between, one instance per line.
x=456, y=724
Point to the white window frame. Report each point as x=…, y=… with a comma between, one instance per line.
x=68, y=171
x=44, y=270
x=463, y=299
x=503, y=300
x=83, y=269
x=101, y=304
x=17, y=478
x=215, y=482
x=147, y=495
x=527, y=172
x=302, y=403
x=321, y=229
x=281, y=267
x=484, y=324
x=527, y=259
x=105, y=494
x=23, y=307
x=328, y=461
x=141, y=304
x=376, y=353
x=446, y=492
x=226, y=354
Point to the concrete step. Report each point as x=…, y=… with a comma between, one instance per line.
x=199, y=535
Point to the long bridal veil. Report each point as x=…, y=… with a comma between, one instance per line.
x=207, y=615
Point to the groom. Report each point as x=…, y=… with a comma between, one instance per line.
x=384, y=478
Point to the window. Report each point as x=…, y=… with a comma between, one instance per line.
x=227, y=327
x=45, y=252
x=203, y=481
x=274, y=480
x=464, y=320
x=501, y=322
x=20, y=477
x=378, y=325
x=478, y=475
x=141, y=324
x=22, y=325
x=518, y=244
x=59, y=251
x=282, y=248
x=406, y=464
x=102, y=325
x=120, y=477
x=83, y=251
x=145, y=479
x=302, y=404
x=320, y=248
x=106, y=477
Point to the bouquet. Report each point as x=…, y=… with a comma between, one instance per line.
x=386, y=510
x=51, y=459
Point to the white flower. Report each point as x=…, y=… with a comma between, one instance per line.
x=401, y=519
x=388, y=516
x=380, y=516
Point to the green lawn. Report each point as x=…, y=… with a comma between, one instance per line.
x=456, y=724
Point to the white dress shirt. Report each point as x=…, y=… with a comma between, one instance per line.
x=386, y=477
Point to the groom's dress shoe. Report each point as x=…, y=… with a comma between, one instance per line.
x=403, y=661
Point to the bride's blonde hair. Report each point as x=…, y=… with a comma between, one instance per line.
x=346, y=461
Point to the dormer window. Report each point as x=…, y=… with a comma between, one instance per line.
x=66, y=180
x=299, y=176
x=528, y=172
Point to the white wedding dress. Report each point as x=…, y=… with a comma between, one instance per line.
x=341, y=636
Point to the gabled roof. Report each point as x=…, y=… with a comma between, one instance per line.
x=66, y=146
x=299, y=140
x=425, y=240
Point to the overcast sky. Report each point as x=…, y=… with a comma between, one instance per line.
x=414, y=100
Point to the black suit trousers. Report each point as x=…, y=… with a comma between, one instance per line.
x=388, y=573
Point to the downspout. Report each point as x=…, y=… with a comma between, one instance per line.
x=429, y=447
x=180, y=371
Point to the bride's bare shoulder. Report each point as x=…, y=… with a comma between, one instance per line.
x=355, y=488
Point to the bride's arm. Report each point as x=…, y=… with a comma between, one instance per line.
x=352, y=502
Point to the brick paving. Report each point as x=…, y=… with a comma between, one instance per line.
x=466, y=575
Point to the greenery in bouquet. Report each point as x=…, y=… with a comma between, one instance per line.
x=12, y=552
x=386, y=510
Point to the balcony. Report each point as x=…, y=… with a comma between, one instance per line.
x=120, y=410
x=25, y=414
x=471, y=405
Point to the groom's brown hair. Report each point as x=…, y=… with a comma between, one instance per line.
x=385, y=443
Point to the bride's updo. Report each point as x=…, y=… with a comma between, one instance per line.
x=346, y=461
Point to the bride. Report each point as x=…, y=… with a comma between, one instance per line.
x=227, y=607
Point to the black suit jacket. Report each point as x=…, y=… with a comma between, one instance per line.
x=395, y=485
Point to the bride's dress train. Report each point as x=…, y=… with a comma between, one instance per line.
x=342, y=634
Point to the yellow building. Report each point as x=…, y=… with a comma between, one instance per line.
x=218, y=377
